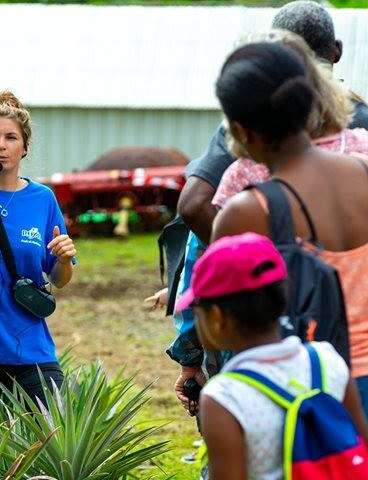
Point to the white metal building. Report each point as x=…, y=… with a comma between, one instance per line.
x=101, y=77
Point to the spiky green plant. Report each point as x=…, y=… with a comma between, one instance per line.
x=86, y=429
x=16, y=456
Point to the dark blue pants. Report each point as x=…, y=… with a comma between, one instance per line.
x=362, y=383
x=28, y=378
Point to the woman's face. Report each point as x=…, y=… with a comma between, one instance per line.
x=11, y=144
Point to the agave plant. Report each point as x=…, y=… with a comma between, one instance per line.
x=16, y=456
x=86, y=430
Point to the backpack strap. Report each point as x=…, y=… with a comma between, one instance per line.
x=317, y=370
x=313, y=233
x=7, y=252
x=280, y=219
x=279, y=395
x=276, y=393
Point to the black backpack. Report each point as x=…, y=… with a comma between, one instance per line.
x=316, y=309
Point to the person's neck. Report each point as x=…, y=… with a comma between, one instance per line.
x=289, y=150
x=10, y=181
x=252, y=341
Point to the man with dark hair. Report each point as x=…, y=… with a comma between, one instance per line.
x=312, y=22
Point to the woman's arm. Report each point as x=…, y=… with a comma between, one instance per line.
x=63, y=248
x=61, y=274
x=224, y=438
x=353, y=405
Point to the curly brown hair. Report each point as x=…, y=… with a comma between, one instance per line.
x=333, y=107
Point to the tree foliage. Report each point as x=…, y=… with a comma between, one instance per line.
x=350, y=3
x=253, y=3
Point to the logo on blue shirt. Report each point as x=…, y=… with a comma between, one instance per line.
x=31, y=236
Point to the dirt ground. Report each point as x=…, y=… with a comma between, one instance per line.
x=101, y=314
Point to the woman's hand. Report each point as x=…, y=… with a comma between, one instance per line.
x=62, y=247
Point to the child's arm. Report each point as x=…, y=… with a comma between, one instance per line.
x=224, y=438
x=353, y=405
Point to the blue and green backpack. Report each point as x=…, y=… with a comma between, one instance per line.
x=321, y=441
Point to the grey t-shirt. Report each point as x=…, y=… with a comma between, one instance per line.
x=213, y=163
x=360, y=118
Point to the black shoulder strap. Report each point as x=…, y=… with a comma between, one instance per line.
x=161, y=258
x=280, y=219
x=7, y=252
x=313, y=238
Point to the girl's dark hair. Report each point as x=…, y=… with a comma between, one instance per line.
x=252, y=311
x=264, y=87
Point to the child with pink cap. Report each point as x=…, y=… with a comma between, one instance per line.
x=238, y=294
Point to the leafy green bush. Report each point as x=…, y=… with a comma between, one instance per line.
x=350, y=3
x=253, y=3
x=85, y=433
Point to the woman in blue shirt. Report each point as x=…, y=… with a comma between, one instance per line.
x=40, y=245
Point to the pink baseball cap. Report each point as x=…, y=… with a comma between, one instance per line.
x=230, y=264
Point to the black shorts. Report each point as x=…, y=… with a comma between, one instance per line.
x=27, y=377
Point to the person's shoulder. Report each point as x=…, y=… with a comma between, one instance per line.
x=236, y=167
x=243, y=212
x=242, y=203
x=358, y=133
x=213, y=163
x=334, y=365
x=43, y=190
x=39, y=186
x=191, y=167
x=360, y=118
x=326, y=348
x=360, y=106
x=224, y=387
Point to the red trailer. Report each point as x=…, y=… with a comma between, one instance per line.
x=91, y=200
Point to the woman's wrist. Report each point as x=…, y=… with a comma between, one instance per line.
x=64, y=261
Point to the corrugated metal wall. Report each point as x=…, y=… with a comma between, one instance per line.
x=71, y=138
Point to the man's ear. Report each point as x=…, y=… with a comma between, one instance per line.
x=337, y=51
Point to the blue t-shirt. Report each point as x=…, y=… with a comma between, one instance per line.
x=32, y=214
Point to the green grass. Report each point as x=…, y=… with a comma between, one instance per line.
x=101, y=313
x=136, y=251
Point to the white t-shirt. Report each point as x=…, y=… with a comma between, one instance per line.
x=288, y=365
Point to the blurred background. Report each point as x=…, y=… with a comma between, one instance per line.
x=122, y=98
x=109, y=84
x=106, y=76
